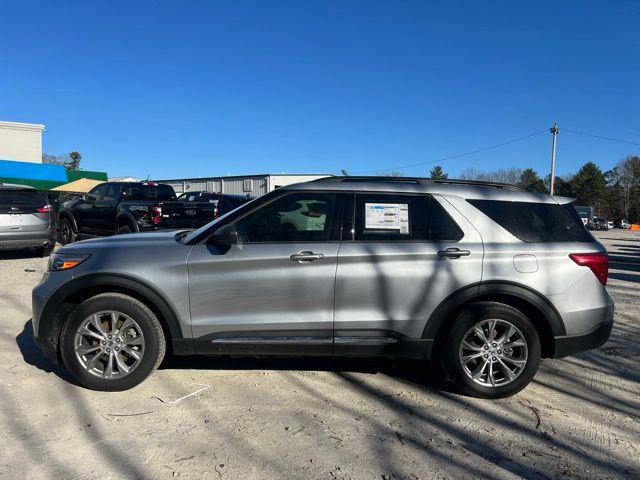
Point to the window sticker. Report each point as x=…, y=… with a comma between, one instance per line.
x=387, y=216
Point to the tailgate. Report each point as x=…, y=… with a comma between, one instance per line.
x=187, y=214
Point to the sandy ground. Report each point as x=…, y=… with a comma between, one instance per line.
x=580, y=418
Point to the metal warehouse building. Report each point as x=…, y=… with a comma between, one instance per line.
x=253, y=185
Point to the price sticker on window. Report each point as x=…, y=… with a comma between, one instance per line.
x=387, y=216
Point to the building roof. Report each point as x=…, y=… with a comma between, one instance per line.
x=35, y=127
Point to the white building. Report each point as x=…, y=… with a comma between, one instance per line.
x=21, y=142
x=252, y=185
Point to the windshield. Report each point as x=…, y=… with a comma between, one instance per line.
x=196, y=233
x=21, y=197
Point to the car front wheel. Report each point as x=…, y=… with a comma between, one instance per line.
x=492, y=351
x=112, y=342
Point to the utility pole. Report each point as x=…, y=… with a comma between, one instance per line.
x=554, y=131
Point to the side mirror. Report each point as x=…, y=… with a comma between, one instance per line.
x=89, y=198
x=226, y=235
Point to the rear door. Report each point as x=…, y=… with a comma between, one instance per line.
x=24, y=211
x=273, y=292
x=404, y=255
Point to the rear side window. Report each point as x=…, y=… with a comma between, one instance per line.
x=29, y=198
x=150, y=192
x=536, y=222
x=384, y=217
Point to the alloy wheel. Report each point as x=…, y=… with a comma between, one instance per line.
x=109, y=344
x=493, y=352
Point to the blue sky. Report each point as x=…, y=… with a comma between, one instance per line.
x=194, y=88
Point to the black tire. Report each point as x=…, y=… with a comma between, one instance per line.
x=124, y=229
x=449, y=351
x=66, y=235
x=154, y=349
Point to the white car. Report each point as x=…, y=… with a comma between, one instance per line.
x=610, y=224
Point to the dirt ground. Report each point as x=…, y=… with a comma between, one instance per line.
x=580, y=418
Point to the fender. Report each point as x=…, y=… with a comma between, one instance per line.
x=130, y=219
x=489, y=289
x=51, y=323
x=66, y=213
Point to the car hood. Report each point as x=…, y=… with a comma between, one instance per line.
x=128, y=241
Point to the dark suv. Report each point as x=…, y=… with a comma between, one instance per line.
x=486, y=278
x=128, y=207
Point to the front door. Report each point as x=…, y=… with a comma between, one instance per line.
x=273, y=291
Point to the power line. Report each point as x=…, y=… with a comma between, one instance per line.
x=451, y=157
x=601, y=137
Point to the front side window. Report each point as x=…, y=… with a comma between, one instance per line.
x=298, y=217
x=98, y=192
x=112, y=192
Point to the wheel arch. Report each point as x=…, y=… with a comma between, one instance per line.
x=531, y=303
x=65, y=299
x=69, y=216
x=126, y=219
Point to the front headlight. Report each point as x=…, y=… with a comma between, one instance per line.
x=62, y=261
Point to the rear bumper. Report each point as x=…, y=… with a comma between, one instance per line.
x=569, y=344
x=15, y=240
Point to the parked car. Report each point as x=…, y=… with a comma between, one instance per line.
x=621, y=223
x=599, y=224
x=26, y=220
x=128, y=207
x=609, y=224
x=222, y=202
x=485, y=278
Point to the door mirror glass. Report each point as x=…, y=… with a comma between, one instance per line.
x=89, y=198
x=226, y=235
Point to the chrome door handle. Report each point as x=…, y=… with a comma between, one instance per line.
x=453, y=253
x=306, y=256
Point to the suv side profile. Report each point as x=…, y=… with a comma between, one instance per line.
x=485, y=278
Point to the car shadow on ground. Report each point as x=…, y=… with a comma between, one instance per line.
x=32, y=355
x=420, y=373
x=19, y=254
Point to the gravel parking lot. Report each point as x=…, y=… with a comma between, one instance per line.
x=297, y=418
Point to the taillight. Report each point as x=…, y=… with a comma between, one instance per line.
x=45, y=209
x=156, y=214
x=597, y=262
x=215, y=212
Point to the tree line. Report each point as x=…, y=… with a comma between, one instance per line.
x=614, y=193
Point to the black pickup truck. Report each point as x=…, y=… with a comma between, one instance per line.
x=126, y=207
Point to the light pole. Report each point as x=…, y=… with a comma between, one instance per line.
x=554, y=131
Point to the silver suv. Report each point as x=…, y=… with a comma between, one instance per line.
x=485, y=278
x=26, y=220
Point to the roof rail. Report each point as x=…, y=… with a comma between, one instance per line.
x=415, y=180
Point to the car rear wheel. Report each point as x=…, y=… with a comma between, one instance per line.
x=112, y=342
x=124, y=229
x=66, y=234
x=491, y=351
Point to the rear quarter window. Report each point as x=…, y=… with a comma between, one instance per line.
x=536, y=222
